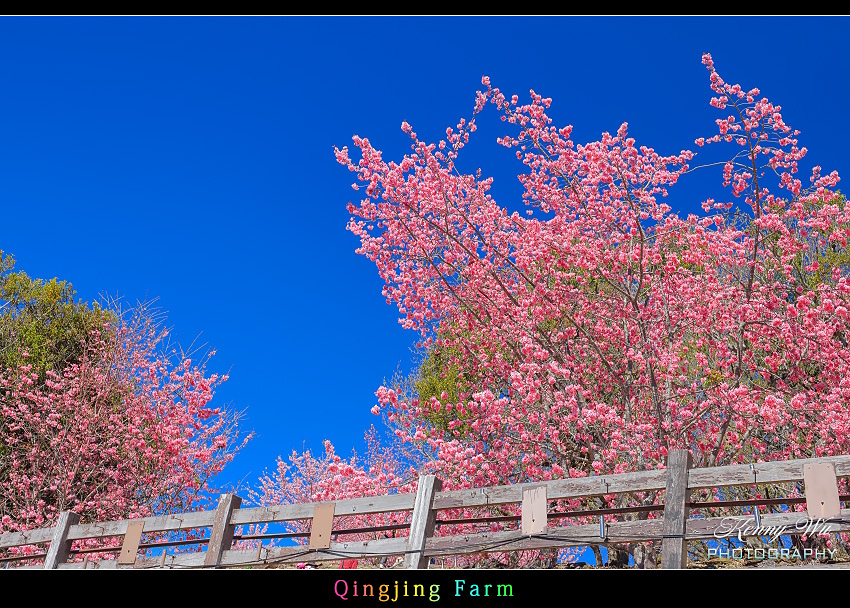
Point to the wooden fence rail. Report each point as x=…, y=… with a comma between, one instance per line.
x=674, y=529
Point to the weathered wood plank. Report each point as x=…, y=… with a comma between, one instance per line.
x=60, y=544
x=762, y=472
x=422, y=522
x=337, y=551
x=159, y=523
x=30, y=537
x=221, y=536
x=349, y=506
x=674, y=547
x=556, y=489
x=383, y=547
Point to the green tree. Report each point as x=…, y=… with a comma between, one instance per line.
x=40, y=322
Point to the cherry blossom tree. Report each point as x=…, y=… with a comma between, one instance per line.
x=126, y=431
x=306, y=478
x=385, y=469
x=603, y=328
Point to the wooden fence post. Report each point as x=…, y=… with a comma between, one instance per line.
x=60, y=546
x=674, y=547
x=221, y=535
x=422, y=522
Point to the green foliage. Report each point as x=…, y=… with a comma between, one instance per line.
x=440, y=374
x=826, y=251
x=41, y=318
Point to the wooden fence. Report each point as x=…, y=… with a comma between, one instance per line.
x=674, y=528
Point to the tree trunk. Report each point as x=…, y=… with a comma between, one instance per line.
x=645, y=555
x=617, y=556
x=597, y=554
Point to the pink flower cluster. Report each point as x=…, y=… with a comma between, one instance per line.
x=609, y=329
x=126, y=432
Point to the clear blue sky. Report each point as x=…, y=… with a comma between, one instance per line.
x=190, y=159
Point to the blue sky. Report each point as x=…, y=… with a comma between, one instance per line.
x=191, y=159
